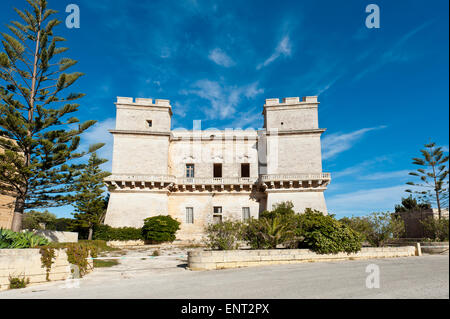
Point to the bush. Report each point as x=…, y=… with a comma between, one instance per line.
x=10, y=239
x=78, y=253
x=106, y=232
x=268, y=233
x=326, y=235
x=63, y=224
x=224, y=235
x=379, y=228
x=359, y=224
x=160, y=229
x=35, y=220
x=275, y=227
x=282, y=210
x=18, y=283
x=436, y=229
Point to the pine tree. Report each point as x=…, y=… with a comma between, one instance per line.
x=433, y=175
x=89, y=203
x=37, y=132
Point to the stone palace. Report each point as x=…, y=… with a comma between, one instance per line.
x=205, y=176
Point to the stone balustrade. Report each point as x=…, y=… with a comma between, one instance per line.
x=173, y=181
x=295, y=177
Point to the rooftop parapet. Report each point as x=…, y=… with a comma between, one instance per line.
x=291, y=100
x=142, y=101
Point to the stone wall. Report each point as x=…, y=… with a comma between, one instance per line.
x=203, y=205
x=301, y=200
x=208, y=260
x=58, y=236
x=413, y=219
x=129, y=209
x=6, y=211
x=27, y=263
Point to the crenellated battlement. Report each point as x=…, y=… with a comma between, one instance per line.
x=142, y=101
x=291, y=100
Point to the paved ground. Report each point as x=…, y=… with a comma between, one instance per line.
x=166, y=277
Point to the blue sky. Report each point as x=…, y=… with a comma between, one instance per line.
x=383, y=92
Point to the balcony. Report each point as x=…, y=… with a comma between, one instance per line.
x=296, y=177
x=125, y=181
x=307, y=180
x=172, y=183
x=217, y=181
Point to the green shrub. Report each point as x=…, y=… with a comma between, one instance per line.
x=17, y=283
x=78, y=253
x=325, y=235
x=224, y=235
x=436, y=229
x=282, y=210
x=359, y=224
x=377, y=228
x=35, y=220
x=103, y=263
x=11, y=240
x=156, y=253
x=160, y=229
x=268, y=232
x=63, y=224
x=106, y=232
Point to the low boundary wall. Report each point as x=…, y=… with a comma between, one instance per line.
x=27, y=263
x=58, y=236
x=208, y=260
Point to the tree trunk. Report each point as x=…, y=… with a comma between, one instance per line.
x=90, y=233
x=18, y=215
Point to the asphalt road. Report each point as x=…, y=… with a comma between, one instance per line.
x=411, y=277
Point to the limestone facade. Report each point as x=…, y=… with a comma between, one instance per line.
x=204, y=176
x=6, y=209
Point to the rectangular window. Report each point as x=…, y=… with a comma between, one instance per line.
x=245, y=170
x=190, y=170
x=189, y=215
x=217, y=219
x=149, y=123
x=218, y=170
x=217, y=216
x=245, y=213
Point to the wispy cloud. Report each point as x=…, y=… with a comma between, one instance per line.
x=249, y=119
x=283, y=48
x=336, y=143
x=379, y=176
x=219, y=57
x=366, y=201
x=223, y=99
x=359, y=168
x=394, y=54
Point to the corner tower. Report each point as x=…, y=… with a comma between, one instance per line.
x=140, y=161
x=293, y=152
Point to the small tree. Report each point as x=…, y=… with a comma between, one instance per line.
x=159, y=229
x=326, y=235
x=34, y=220
x=283, y=209
x=89, y=201
x=38, y=142
x=436, y=229
x=224, y=236
x=410, y=204
x=382, y=227
x=433, y=175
